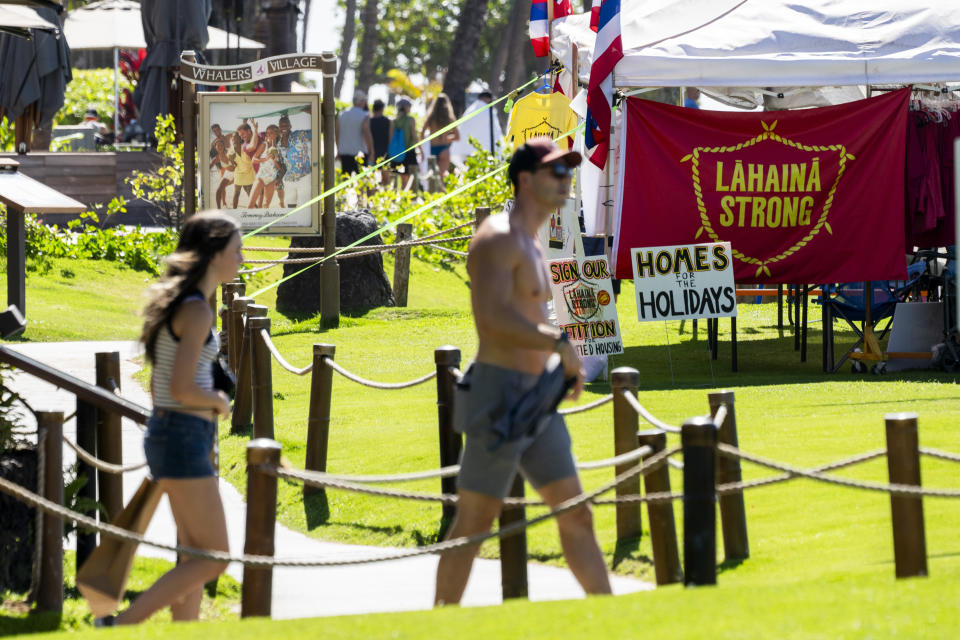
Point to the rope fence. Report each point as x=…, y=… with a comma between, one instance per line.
x=646, y=415
x=101, y=465
x=379, y=385
x=262, y=561
x=355, y=252
x=902, y=490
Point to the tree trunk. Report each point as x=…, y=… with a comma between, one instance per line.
x=349, y=29
x=499, y=62
x=368, y=46
x=281, y=17
x=519, y=43
x=472, y=16
x=306, y=21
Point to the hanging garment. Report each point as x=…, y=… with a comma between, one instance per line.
x=538, y=114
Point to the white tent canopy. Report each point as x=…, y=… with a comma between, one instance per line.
x=779, y=43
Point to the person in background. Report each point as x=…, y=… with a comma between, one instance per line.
x=691, y=95
x=381, y=130
x=405, y=122
x=485, y=128
x=102, y=134
x=353, y=134
x=294, y=187
x=181, y=345
x=440, y=115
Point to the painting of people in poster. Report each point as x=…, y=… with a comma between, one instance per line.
x=258, y=157
x=684, y=281
x=586, y=311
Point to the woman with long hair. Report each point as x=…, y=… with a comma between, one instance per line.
x=439, y=115
x=405, y=122
x=181, y=344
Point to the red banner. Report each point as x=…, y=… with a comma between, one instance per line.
x=809, y=196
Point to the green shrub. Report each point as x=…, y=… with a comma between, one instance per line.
x=90, y=89
x=83, y=238
x=388, y=205
x=163, y=187
x=6, y=135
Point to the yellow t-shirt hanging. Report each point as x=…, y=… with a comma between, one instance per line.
x=538, y=114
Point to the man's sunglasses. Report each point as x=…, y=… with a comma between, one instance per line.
x=559, y=170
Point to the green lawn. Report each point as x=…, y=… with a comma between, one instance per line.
x=77, y=617
x=821, y=556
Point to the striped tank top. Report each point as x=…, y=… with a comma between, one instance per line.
x=165, y=350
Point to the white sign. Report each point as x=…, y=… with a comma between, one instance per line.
x=560, y=235
x=586, y=311
x=684, y=281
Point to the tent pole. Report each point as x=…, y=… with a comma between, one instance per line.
x=116, y=94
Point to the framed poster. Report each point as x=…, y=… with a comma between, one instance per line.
x=258, y=157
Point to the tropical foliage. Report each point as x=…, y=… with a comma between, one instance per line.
x=90, y=89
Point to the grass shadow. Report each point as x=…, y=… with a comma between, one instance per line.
x=33, y=622
x=316, y=508
x=729, y=565
x=625, y=550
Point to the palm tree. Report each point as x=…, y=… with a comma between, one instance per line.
x=473, y=13
x=368, y=45
x=349, y=29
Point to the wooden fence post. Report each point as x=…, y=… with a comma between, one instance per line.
x=241, y=419
x=625, y=424
x=663, y=528
x=479, y=215
x=50, y=589
x=733, y=514
x=86, y=439
x=318, y=421
x=228, y=291
x=261, y=379
x=330, y=268
x=238, y=311
x=401, y=265
x=261, y=522
x=903, y=465
x=450, y=441
x=109, y=436
x=699, y=440
x=513, y=549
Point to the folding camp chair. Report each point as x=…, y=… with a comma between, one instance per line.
x=849, y=301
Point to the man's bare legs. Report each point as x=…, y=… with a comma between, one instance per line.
x=475, y=514
x=201, y=524
x=577, y=537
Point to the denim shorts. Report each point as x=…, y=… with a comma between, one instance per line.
x=178, y=445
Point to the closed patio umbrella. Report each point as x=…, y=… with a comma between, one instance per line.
x=119, y=24
x=33, y=76
x=170, y=27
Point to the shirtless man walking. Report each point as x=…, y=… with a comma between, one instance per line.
x=509, y=290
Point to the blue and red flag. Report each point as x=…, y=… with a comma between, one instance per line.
x=539, y=30
x=607, y=52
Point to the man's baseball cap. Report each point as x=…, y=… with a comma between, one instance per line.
x=537, y=152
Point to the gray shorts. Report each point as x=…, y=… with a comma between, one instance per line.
x=542, y=458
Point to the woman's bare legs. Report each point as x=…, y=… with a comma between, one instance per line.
x=268, y=194
x=256, y=199
x=201, y=524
